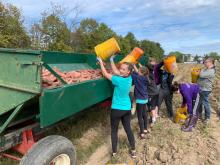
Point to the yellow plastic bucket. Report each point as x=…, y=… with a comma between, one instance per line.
x=181, y=115
x=107, y=48
x=170, y=64
x=134, y=56
x=195, y=74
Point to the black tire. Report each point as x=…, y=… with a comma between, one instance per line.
x=45, y=150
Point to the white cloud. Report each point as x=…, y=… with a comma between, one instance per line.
x=182, y=7
x=203, y=48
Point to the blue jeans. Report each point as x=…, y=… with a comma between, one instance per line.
x=204, y=100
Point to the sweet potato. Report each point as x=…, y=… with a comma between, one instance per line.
x=73, y=74
x=50, y=81
x=59, y=72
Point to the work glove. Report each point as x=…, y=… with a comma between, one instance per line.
x=139, y=64
x=100, y=61
x=112, y=58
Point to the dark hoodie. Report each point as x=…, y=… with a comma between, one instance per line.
x=152, y=87
x=162, y=77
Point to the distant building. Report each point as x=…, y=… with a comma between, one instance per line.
x=200, y=60
x=190, y=59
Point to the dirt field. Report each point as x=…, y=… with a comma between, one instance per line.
x=166, y=144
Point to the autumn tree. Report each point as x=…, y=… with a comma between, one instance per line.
x=52, y=32
x=12, y=30
x=89, y=34
x=153, y=49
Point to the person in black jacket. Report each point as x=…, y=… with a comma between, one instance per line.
x=153, y=93
x=164, y=80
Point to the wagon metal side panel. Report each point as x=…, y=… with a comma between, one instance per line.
x=57, y=104
x=19, y=77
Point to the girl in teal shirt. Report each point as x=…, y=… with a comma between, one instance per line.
x=121, y=103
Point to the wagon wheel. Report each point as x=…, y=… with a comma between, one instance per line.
x=51, y=150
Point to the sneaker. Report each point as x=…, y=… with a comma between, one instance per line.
x=133, y=154
x=146, y=131
x=133, y=110
x=207, y=121
x=200, y=117
x=142, y=136
x=187, y=129
x=114, y=154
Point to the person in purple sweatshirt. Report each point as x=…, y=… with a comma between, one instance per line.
x=189, y=93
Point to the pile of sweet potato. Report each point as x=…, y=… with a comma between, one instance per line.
x=50, y=81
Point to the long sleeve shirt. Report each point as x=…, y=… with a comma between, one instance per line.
x=189, y=93
x=140, y=86
x=206, y=78
x=162, y=77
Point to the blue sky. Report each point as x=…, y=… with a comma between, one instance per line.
x=179, y=25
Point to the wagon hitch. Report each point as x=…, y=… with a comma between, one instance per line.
x=28, y=140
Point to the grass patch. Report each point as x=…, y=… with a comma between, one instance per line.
x=84, y=152
x=205, y=130
x=5, y=161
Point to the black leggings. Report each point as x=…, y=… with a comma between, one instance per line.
x=165, y=94
x=125, y=118
x=142, y=116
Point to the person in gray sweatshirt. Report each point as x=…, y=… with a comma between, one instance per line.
x=205, y=81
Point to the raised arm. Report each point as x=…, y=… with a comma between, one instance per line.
x=156, y=72
x=158, y=66
x=104, y=71
x=140, y=64
x=135, y=68
x=209, y=73
x=114, y=68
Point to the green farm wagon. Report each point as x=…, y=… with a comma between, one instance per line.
x=27, y=109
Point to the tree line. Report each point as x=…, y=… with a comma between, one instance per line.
x=53, y=32
x=182, y=57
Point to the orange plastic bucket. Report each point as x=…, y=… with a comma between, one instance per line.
x=134, y=56
x=195, y=74
x=137, y=53
x=170, y=64
x=129, y=59
x=107, y=48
